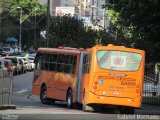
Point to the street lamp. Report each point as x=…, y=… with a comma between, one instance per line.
x=48, y=22
x=20, y=26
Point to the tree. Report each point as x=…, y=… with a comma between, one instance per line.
x=28, y=20
x=71, y=32
x=140, y=20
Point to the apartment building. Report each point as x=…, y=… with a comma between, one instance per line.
x=86, y=9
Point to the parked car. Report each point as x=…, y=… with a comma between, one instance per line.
x=28, y=64
x=31, y=60
x=2, y=64
x=24, y=65
x=6, y=51
x=15, y=61
x=9, y=65
x=3, y=68
x=1, y=49
x=3, y=52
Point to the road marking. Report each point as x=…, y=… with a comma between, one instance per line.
x=22, y=91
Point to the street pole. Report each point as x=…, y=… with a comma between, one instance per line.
x=104, y=18
x=47, y=21
x=35, y=37
x=20, y=30
x=0, y=24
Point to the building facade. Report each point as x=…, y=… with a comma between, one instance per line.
x=90, y=10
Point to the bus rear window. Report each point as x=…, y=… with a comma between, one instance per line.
x=118, y=60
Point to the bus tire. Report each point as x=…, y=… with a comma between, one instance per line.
x=43, y=96
x=69, y=99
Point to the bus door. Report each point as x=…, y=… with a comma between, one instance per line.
x=37, y=75
x=79, y=77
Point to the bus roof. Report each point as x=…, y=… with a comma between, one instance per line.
x=113, y=47
x=70, y=50
x=60, y=50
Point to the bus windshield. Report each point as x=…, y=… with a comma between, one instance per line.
x=118, y=60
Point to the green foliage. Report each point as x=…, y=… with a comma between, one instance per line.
x=140, y=20
x=69, y=31
x=33, y=16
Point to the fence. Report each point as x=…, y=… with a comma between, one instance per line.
x=151, y=90
x=6, y=79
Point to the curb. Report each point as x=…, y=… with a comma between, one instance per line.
x=5, y=107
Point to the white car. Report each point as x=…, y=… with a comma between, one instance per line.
x=28, y=64
x=23, y=63
x=31, y=60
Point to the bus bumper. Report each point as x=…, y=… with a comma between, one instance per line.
x=116, y=101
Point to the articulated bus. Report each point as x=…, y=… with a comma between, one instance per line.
x=98, y=77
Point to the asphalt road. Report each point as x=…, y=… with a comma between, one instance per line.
x=29, y=107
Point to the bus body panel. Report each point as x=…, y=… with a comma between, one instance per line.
x=104, y=84
x=101, y=100
x=114, y=87
x=57, y=83
x=57, y=89
x=99, y=86
x=36, y=85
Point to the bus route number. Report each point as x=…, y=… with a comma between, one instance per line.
x=128, y=83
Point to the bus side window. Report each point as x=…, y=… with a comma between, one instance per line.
x=67, y=65
x=74, y=64
x=53, y=58
x=67, y=60
x=52, y=66
x=86, y=63
x=37, y=60
x=52, y=62
x=60, y=62
x=46, y=61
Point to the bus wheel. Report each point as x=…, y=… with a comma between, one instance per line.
x=43, y=96
x=69, y=99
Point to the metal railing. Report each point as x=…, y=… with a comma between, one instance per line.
x=6, y=79
x=151, y=90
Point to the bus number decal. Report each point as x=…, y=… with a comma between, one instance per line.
x=128, y=83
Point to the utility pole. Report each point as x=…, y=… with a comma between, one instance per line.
x=35, y=29
x=0, y=23
x=104, y=18
x=47, y=21
x=20, y=30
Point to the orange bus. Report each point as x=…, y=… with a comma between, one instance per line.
x=101, y=76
